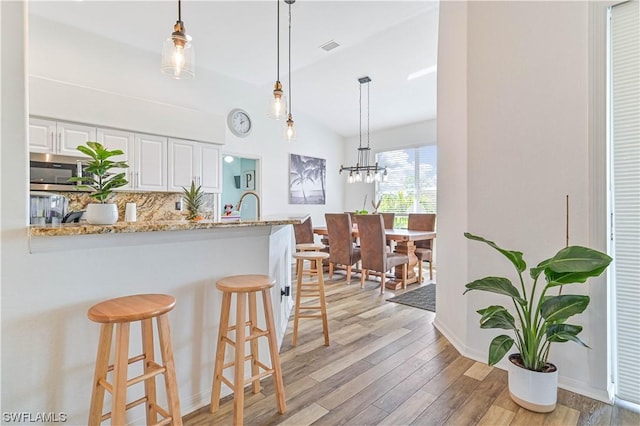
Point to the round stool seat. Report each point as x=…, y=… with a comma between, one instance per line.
x=244, y=283
x=311, y=255
x=309, y=246
x=131, y=308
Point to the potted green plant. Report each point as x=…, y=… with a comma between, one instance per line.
x=541, y=314
x=194, y=200
x=102, y=181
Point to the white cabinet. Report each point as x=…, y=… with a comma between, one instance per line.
x=146, y=156
x=190, y=160
x=150, y=163
x=118, y=139
x=58, y=137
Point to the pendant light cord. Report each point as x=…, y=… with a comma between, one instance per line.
x=368, y=117
x=360, y=116
x=278, y=42
x=290, y=58
x=179, y=10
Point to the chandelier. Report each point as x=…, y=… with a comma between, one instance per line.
x=363, y=171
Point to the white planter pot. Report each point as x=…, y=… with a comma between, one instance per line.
x=533, y=390
x=102, y=214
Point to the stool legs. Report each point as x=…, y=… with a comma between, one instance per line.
x=102, y=364
x=219, y=362
x=150, y=383
x=302, y=289
x=273, y=351
x=239, y=355
x=238, y=374
x=170, y=379
x=120, y=367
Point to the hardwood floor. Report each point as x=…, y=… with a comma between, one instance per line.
x=388, y=365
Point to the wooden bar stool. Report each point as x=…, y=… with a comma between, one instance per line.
x=122, y=311
x=245, y=287
x=310, y=289
x=308, y=247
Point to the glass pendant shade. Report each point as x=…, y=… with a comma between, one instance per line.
x=277, y=103
x=290, y=133
x=178, y=55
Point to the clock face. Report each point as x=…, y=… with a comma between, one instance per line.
x=239, y=122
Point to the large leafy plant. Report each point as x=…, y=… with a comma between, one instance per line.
x=541, y=316
x=99, y=177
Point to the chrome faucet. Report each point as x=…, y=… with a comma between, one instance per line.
x=257, y=201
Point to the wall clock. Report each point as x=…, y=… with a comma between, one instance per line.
x=239, y=122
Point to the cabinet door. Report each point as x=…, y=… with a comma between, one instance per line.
x=210, y=168
x=42, y=134
x=117, y=139
x=70, y=135
x=183, y=166
x=150, y=163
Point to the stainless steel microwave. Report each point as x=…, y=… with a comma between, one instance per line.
x=48, y=172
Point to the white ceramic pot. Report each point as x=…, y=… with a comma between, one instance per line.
x=102, y=214
x=533, y=390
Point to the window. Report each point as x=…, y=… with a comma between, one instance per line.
x=411, y=185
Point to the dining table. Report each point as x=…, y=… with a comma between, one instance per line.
x=405, y=244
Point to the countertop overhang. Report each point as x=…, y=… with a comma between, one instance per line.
x=68, y=229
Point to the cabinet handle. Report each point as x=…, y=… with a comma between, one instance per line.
x=53, y=141
x=137, y=179
x=59, y=141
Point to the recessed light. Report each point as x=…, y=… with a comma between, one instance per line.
x=228, y=159
x=422, y=72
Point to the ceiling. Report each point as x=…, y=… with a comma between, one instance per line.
x=385, y=40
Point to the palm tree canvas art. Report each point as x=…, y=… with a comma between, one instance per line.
x=307, y=179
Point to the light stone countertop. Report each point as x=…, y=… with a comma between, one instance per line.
x=158, y=226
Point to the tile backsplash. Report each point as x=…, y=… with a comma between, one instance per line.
x=150, y=206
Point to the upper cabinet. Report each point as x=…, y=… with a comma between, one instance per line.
x=125, y=141
x=58, y=137
x=146, y=156
x=150, y=163
x=194, y=161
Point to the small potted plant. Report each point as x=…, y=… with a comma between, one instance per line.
x=194, y=200
x=541, y=314
x=102, y=181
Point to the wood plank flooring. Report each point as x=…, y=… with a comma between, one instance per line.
x=388, y=365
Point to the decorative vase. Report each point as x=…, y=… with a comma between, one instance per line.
x=102, y=214
x=534, y=390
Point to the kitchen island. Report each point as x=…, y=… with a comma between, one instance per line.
x=93, y=263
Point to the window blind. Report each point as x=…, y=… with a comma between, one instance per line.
x=624, y=72
x=412, y=179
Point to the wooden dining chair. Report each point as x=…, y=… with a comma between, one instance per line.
x=424, y=248
x=388, y=219
x=342, y=251
x=373, y=245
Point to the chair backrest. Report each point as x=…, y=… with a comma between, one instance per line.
x=339, y=229
x=388, y=219
x=422, y=222
x=373, y=242
x=304, y=232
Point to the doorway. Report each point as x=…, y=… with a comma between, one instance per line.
x=240, y=173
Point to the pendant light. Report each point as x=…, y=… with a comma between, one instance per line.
x=278, y=102
x=177, y=52
x=362, y=170
x=290, y=130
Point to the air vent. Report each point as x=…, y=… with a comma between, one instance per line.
x=330, y=45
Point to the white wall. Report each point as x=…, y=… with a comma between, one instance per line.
x=526, y=145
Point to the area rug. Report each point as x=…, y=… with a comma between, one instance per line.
x=422, y=297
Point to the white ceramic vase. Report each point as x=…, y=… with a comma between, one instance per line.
x=102, y=214
x=533, y=390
